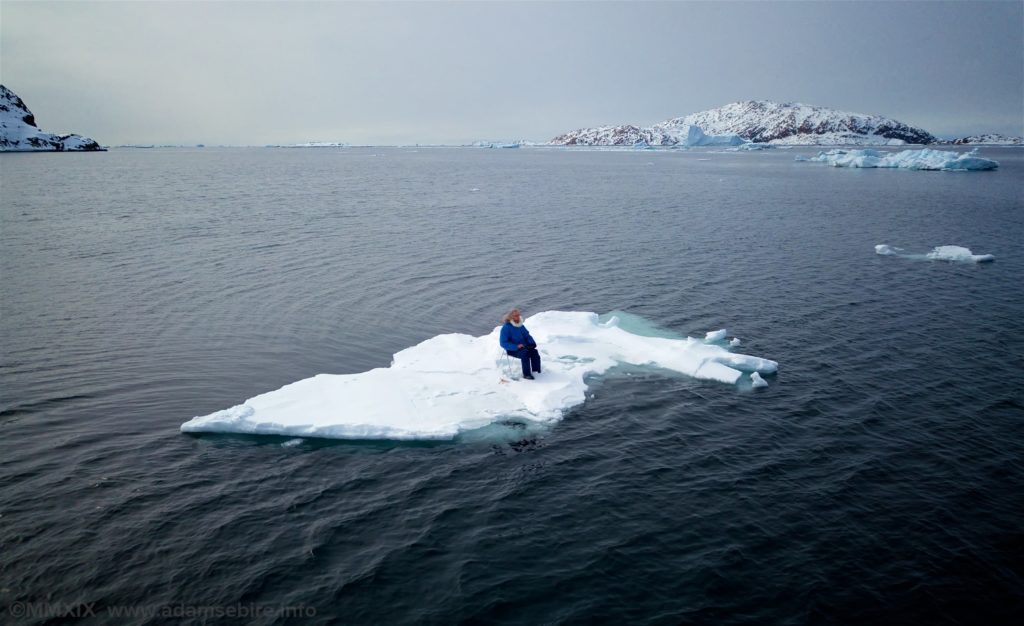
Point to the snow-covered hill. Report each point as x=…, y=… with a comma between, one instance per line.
x=761, y=121
x=19, y=133
x=679, y=135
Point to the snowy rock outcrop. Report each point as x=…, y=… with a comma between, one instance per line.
x=19, y=133
x=794, y=123
x=990, y=139
x=760, y=121
x=628, y=135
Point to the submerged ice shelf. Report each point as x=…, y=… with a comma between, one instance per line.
x=454, y=383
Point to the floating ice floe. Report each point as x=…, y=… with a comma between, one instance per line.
x=924, y=159
x=756, y=381
x=938, y=253
x=751, y=147
x=454, y=383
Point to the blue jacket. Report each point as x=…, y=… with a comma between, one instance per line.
x=511, y=337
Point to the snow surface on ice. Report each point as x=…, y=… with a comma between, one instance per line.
x=938, y=253
x=924, y=159
x=454, y=383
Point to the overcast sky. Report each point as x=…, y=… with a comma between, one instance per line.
x=451, y=72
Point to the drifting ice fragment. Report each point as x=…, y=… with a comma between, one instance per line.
x=452, y=383
x=715, y=335
x=958, y=253
x=924, y=159
x=756, y=381
x=938, y=253
x=751, y=147
x=735, y=342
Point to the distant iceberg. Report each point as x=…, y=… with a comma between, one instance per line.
x=697, y=137
x=497, y=144
x=938, y=253
x=318, y=144
x=455, y=383
x=924, y=159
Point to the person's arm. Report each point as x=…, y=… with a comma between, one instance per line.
x=504, y=339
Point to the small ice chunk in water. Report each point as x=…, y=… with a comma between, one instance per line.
x=756, y=381
x=291, y=443
x=938, y=253
x=958, y=253
x=715, y=335
x=735, y=342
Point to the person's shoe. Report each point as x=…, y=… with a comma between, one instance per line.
x=528, y=377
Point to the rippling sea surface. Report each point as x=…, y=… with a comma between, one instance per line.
x=878, y=479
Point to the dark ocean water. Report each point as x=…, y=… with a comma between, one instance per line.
x=878, y=479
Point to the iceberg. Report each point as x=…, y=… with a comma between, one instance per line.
x=938, y=253
x=455, y=383
x=497, y=144
x=697, y=137
x=924, y=159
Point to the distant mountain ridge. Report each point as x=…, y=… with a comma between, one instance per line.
x=761, y=121
x=19, y=133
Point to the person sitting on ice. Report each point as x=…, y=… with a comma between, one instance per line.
x=518, y=343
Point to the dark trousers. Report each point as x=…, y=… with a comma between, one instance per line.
x=529, y=356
